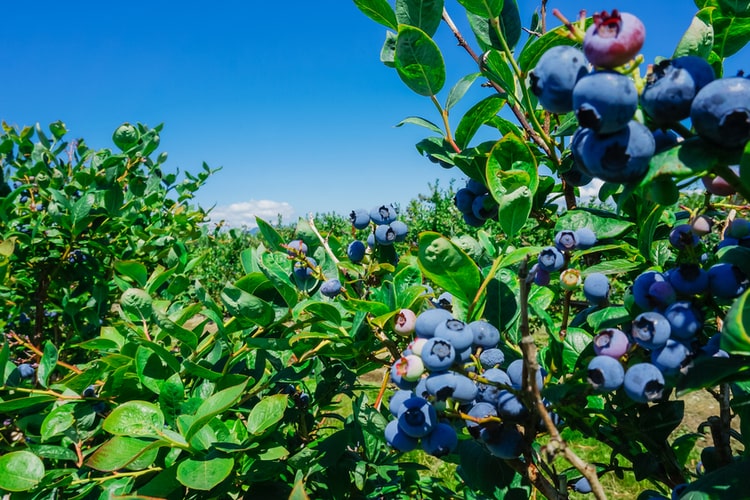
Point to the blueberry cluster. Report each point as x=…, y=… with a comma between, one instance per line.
x=475, y=203
x=385, y=227
x=556, y=257
x=669, y=316
x=452, y=364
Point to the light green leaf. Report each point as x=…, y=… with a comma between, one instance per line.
x=476, y=116
x=266, y=413
x=20, y=471
x=57, y=421
x=698, y=39
x=422, y=14
x=47, y=364
x=446, y=265
x=379, y=11
x=484, y=8
x=246, y=306
x=213, y=406
x=204, y=474
x=416, y=120
x=133, y=270
x=134, y=418
x=459, y=89
x=120, y=451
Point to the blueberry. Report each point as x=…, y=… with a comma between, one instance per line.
x=682, y=236
x=398, y=439
x=663, y=140
x=400, y=229
x=304, y=272
x=444, y=301
x=515, y=372
x=331, y=288
x=296, y=247
x=582, y=486
x=738, y=228
x=503, y=441
x=444, y=385
x=485, y=334
x=684, y=319
x=643, y=382
x=611, y=342
x=463, y=200
x=428, y=320
x=360, y=218
x=491, y=392
x=438, y=354
x=605, y=102
x=405, y=322
x=551, y=259
x=442, y=441
x=26, y=370
x=720, y=112
x=719, y=186
x=651, y=330
x=416, y=346
x=89, y=392
x=672, y=86
x=356, y=251
x=491, y=358
x=596, y=288
x=383, y=214
x=484, y=207
x=652, y=290
x=670, y=357
x=619, y=157
x=565, y=240
x=480, y=410
x=585, y=238
x=384, y=234
x=688, y=279
x=576, y=176
x=510, y=407
x=397, y=400
x=613, y=39
x=726, y=281
x=456, y=332
x=541, y=276
x=476, y=187
x=417, y=417
x=408, y=368
x=472, y=221
x=605, y=374
x=555, y=75
x=465, y=390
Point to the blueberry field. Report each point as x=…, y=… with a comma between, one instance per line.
x=504, y=336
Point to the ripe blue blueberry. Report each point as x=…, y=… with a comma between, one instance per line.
x=688, y=279
x=442, y=441
x=551, y=259
x=398, y=439
x=651, y=330
x=491, y=358
x=555, y=76
x=438, y=354
x=515, y=372
x=663, y=140
x=596, y=288
x=428, y=320
x=605, y=374
x=476, y=187
x=463, y=200
x=296, y=247
x=582, y=486
x=456, y=332
x=605, y=101
x=503, y=441
x=541, y=276
x=356, y=251
x=304, y=271
x=509, y=407
x=726, y=281
x=670, y=357
x=613, y=39
x=622, y=156
x=384, y=234
x=489, y=392
x=485, y=334
x=684, y=319
x=576, y=176
x=682, y=236
x=383, y=214
x=26, y=370
x=397, y=400
x=565, y=240
x=585, y=238
x=331, y=288
x=738, y=228
x=360, y=218
x=484, y=207
x=720, y=112
x=643, y=382
x=481, y=409
x=672, y=86
x=417, y=417
x=400, y=229
x=651, y=290
x=444, y=385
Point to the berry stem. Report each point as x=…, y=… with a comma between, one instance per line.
x=444, y=115
x=32, y=347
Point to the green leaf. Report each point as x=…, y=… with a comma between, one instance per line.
x=735, y=336
x=416, y=120
x=484, y=8
x=647, y=231
x=729, y=481
x=276, y=267
x=150, y=368
x=603, y=226
x=134, y=418
x=510, y=23
x=476, y=116
x=379, y=11
x=459, y=90
x=47, y=364
x=419, y=62
x=514, y=209
x=730, y=34
x=575, y=342
x=120, y=451
x=736, y=255
x=608, y=317
x=511, y=154
x=24, y=402
x=273, y=239
x=698, y=39
x=661, y=419
x=710, y=372
x=495, y=68
x=265, y=414
x=692, y=157
x=20, y=471
x=423, y=14
x=446, y=265
x=388, y=51
x=204, y=474
x=318, y=310
x=133, y=270
x=213, y=406
x=246, y=306
x=615, y=266
x=57, y=421
x=532, y=52
x=80, y=213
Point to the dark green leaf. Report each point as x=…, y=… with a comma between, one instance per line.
x=47, y=364
x=692, y=157
x=448, y=266
x=134, y=418
x=214, y=405
x=422, y=14
x=20, y=471
x=735, y=334
x=661, y=419
x=133, y=270
x=57, y=421
x=270, y=235
x=730, y=34
x=120, y=451
x=459, y=90
x=533, y=51
x=478, y=115
x=416, y=120
x=266, y=413
x=514, y=208
x=204, y=474
x=418, y=61
x=496, y=69
x=246, y=306
x=484, y=8
x=604, y=227
x=511, y=154
x=379, y=11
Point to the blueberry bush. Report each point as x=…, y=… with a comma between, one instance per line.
x=397, y=352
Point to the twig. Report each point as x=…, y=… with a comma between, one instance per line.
x=32, y=347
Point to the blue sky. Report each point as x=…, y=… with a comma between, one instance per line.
x=289, y=98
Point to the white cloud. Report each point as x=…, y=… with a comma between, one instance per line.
x=591, y=190
x=244, y=213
